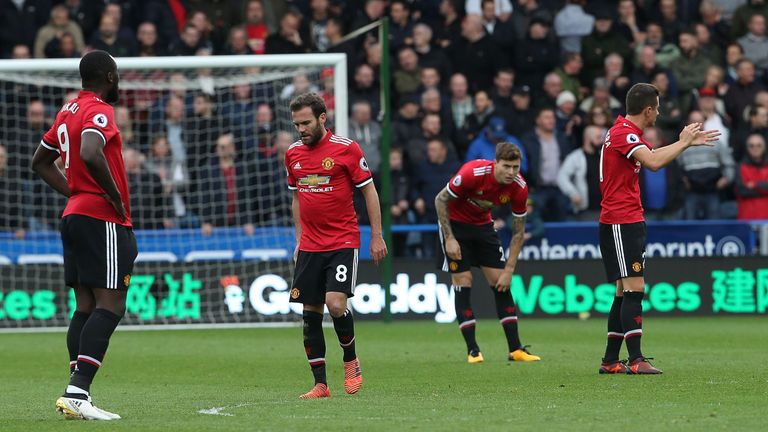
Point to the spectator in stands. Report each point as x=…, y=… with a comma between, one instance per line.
x=628, y=24
x=315, y=25
x=689, y=69
x=520, y=116
x=373, y=10
x=662, y=191
x=501, y=8
x=526, y=11
x=62, y=47
x=44, y=205
x=712, y=51
x=287, y=40
x=22, y=138
x=503, y=82
x=572, y=24
x=416, y=149
x=174, y=179
x=406, y=122
x=500, y=30
x=569, y=71
x=484, y=146
x=406, y=77
x=461, y=101
x=173, y=128
x=237, y=43
x=448, y=31
x=334, y=30
x=367, y=132
x=108, y=39
x=706, y=171
x=56, y=28
x=712, y=17
x=211, y=38
x=429, y=79
x=429, y=178
x=598, y=116
x=752, y=181
x=148, y=204
x=365, y=88
x=255, y=26
x=203, y=127
x=400, y=184
x=429, y=55
x=273, y=205
x=714, y=120
x=742, y=92
x=568, y=119
x=666, y=53
x=757, y=124
x=595, y=47
x=614, y=74
x=148, y=44
x=755, y=43
x=553, y=86
x=124, y=123
x=11, y=196
x=401, y=26
x=537, y=55
x=601, y=96
x=579, y=175
x=733, y=53
x=671, y=23
x=222, y=194
x=669, y=123
x=19, y=23
x=477, y=120
x=546, y=150
x=741, y=16
x=264, y=131
x=645, y=66
x=476, y=55
x=240, y=110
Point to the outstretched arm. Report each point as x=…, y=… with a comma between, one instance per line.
x=659, y=158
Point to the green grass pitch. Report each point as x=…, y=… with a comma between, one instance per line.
x=416, y=378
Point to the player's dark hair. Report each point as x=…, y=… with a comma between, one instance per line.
x=312, y=100
x=640, y=97
x=506, y=151
x=94, y=67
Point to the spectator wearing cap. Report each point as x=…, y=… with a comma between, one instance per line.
x=520, y=115
x=569, y=71
x=602, y=41
x=569, y=120
x=546, y=149
x=741, y=16
x=713, y=120
x=666, y=53
x=661, y=191
x=707, y=170
x=538, y=55
x=689, y=69
x=579, y=175
x=484, y=146
x=752, y=181
x=757, y=124
x=741, y=93
x=572, y=24
x=755, y=43
x=476, y=55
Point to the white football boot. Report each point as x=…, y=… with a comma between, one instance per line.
x=76, y=409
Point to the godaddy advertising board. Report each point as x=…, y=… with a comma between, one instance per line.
x=188, y=293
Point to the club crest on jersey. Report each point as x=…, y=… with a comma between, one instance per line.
x=456, y=181
x=127, y=280
x=633, y=139
x=100, y=120
x=636, y=267
x=453, y=265
x=327, y=163
x=503, y=199
x=313, y=180
x=295, y=293
x=364, y=164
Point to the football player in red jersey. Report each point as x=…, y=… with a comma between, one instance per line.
x=99, y=245
x=622, y=224
x=469, y=239
x=323, y=170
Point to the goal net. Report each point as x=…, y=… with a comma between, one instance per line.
x=204, y=139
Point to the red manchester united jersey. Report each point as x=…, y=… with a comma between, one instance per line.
x=619, y=174
x=87, y=112
x=324, y=176
x=477, y=191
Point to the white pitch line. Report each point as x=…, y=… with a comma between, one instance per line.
x=218, y=410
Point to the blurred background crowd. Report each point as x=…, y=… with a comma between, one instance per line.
x=547, y=75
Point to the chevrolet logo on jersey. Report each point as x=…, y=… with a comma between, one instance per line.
x=314, y=180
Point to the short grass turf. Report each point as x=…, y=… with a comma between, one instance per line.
x=416, y=378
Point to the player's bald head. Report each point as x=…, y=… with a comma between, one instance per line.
x=95, y=67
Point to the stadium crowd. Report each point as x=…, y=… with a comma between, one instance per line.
x=549, y=76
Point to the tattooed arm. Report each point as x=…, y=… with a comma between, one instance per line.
x=452, y=248
x=518, y=232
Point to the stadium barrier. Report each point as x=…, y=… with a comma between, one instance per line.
x=252, y=292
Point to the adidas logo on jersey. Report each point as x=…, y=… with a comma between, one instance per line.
x=297, y=166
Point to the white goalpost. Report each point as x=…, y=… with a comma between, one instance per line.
x=204, y=138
